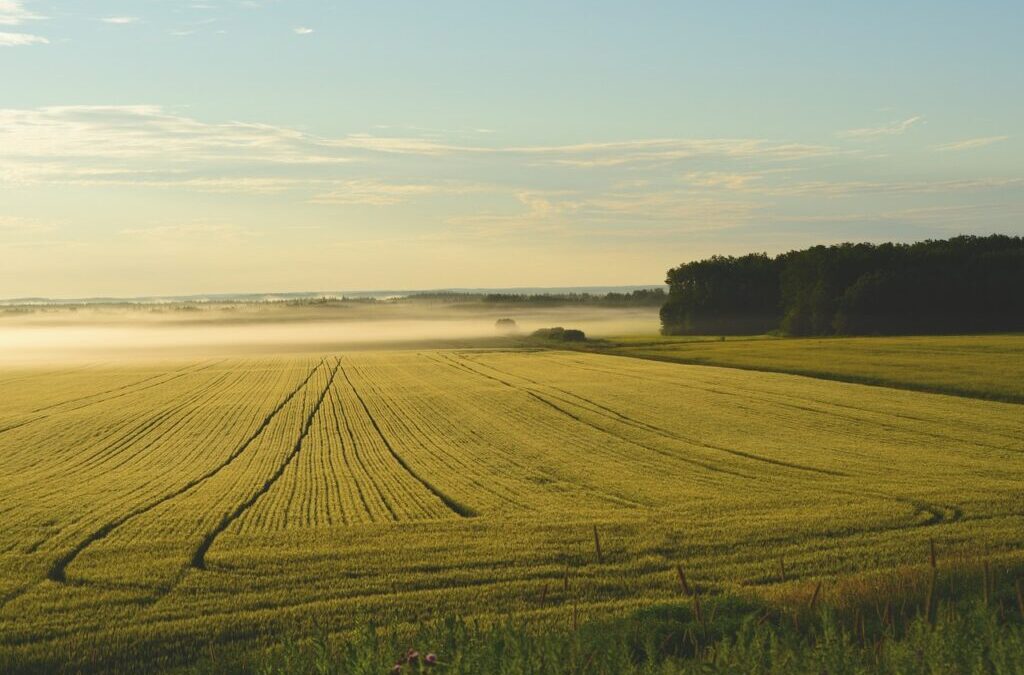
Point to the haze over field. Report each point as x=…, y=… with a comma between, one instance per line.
x=108, y=333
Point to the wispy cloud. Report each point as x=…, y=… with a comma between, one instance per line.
x=722, y=179
x=154, y=137
x=14, y=13
x=653, y=151
x=477, y=187
x=891, y=129
x=970, y=143
x=617, y=213
x=148, y=133
x=302, y=30
x=844, y=188
x=21, y=40
x=380, y=193
x=120, y=20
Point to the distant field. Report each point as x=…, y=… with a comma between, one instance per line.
x=983, y=366
x=151, y=510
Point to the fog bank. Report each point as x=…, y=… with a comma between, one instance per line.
x=115, y=334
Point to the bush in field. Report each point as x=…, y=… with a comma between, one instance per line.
x=506, y=326
x=560, y=334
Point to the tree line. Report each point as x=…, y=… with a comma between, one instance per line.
x=962, y=284
x=645, y=297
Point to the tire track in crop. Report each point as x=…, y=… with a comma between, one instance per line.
x=116, y=389
x=111, y=456
x=103, y=454
x=774, y=399
x=665, y=433
x=199, y=556
x=16, y=593
x=340, y=413
x=420, y=424
x=58, y=571
x=104, y=400
x=529, y=470
x=47, y=373
x=580, y=420
x=460, y=510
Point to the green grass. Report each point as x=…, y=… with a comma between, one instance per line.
x=980, y=366
x=155, y=510
x=946, y=626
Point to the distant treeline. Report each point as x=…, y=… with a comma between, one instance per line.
x=652, y=297
x=963, y=284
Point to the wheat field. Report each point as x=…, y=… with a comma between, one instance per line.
x=150, y=509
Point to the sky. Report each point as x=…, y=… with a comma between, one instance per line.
x=154, y=147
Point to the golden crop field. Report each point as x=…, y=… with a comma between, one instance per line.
x=982, y=366
x=148, y=510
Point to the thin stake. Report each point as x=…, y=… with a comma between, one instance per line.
x=782, y=568
x=931, y=543
x=597, y=546
x=544, y=594
x=930, y=609
x=682, y=580
x=814, y=598
x=1020, y=597
x=985, y=581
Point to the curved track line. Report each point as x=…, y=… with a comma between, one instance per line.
x=199, y=556
x=113, y=390
x=577, y=418
x=666, y=433
x=58, y=571
x=104, y=400
x=461, y=510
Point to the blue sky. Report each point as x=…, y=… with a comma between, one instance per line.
x=180, y=146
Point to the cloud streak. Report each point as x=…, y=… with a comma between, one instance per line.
x=34, y=141
x=14, y=13
x=477, y=188
x=891, y=129
x=21, y=39
x=969, y=144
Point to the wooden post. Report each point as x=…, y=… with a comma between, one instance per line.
x=986, y=581
x=930, y=605
x=682, y=580
x=814, y=598
x=597, y=546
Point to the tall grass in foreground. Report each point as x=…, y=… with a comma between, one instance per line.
x=968, y=628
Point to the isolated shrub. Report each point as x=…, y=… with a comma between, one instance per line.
x=506, y=326
x=560, y=334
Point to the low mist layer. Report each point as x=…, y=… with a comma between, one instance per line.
x=43, y=335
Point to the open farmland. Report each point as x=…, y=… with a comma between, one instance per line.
x=982, y=366
x=151, y=509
